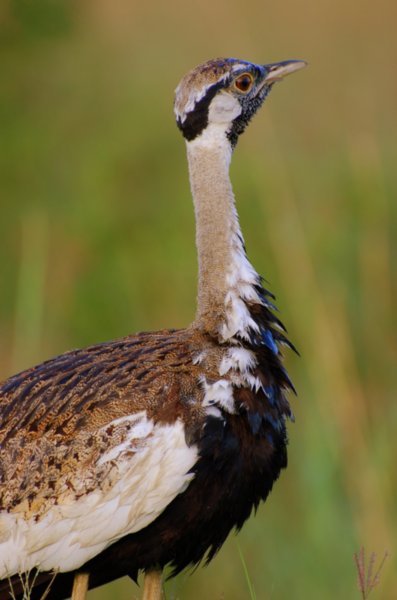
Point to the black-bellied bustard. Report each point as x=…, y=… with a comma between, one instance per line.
x=146, y=451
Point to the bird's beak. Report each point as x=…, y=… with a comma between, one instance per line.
x=277, y=71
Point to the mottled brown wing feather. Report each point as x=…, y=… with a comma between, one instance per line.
x=54, y=417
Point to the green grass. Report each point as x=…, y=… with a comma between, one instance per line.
x=97, y=240
x=251, y=590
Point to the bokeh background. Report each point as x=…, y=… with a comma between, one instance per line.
x=97, y=240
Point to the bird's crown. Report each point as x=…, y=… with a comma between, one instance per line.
x=221, y=95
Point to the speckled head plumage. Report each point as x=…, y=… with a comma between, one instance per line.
x=222, y=95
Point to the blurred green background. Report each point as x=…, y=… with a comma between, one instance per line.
x=97, y=240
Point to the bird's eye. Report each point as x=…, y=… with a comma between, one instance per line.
x=244, y=82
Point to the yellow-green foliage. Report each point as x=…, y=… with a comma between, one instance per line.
x=97, y=240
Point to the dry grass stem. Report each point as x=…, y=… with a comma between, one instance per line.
x=367, y=580
x=28, y=583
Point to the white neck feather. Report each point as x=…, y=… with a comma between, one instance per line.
x=226, y=278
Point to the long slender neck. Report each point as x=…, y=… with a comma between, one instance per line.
x=226, y=278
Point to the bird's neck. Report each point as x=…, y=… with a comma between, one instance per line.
x=227, y=281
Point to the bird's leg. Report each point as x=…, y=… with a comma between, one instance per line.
x=80, y=586
x=152, y=585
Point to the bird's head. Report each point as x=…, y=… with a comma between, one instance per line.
x=219, y=97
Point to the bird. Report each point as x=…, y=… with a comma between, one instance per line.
x=145, y=452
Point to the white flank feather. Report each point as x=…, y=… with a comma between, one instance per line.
x=219, y=394
x=238, y=359
x=153, y=472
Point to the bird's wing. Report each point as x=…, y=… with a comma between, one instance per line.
x=93, y=447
